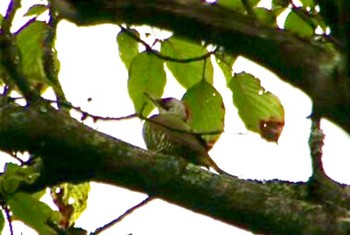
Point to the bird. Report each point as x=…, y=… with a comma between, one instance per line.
x=168, y=132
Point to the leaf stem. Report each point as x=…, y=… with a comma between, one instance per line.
x=164, y=57
x=121, y=217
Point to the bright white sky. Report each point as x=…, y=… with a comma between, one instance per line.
x=90, y=67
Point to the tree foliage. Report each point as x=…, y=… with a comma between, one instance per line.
x=310, y=51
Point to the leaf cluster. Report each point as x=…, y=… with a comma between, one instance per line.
x=191, y=64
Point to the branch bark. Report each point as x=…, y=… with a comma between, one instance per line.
x=317, y=68
x=73, y=152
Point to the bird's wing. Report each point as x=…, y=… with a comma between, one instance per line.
x=180, y=132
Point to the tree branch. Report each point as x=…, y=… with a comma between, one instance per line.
x=73, y=152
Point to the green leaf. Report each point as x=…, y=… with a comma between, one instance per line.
x=261, y=111
x=225, y=62
x=146, y=74
x=308, y=3
x=206, y=109
x=189, y=73
x=71, y=200
x=36, y=10
x=30, y=43
x=2, y=222
x=14, y=175
x=280, y=3
x=265, y=16
x=253, y=3
x=236, y=5
x=127, y=46
x=33, y=213
x=297, y=25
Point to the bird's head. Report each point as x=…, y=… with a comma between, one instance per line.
x=171, y=105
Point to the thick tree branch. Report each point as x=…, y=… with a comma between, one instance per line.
x=73, y=152
x=314, y=67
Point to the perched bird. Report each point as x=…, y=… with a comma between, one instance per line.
x=168, y=132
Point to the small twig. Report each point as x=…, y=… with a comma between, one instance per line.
x=120, y=218
x=14, y=5
x=164, y=57
x=86, y=114
x=49, y=57
x=8, y=217
x=321, y=188
x=96, y=118
x=315, y=144
x=187, y=60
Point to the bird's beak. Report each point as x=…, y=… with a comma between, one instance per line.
x=155, y=100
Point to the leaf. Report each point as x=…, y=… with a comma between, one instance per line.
x=308, y=3
x=2, y=222
x=30, y=43
x=14, y=175
x=71, y=200
x=265, y=16
x=206, y=109
x=261, y=111
x=225, y=62
x=24, y=207
x=297, y=25
x=236, y=5
x=146, y=74
x=189, y=73
x=127, y=46
x=280, y=3
x=36, y=10
x=253, y=2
